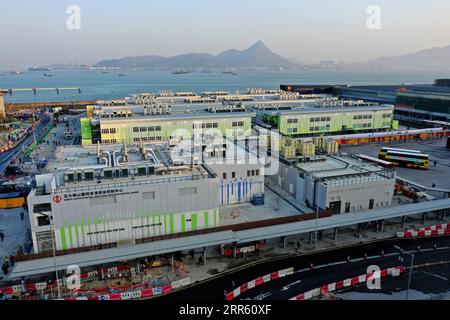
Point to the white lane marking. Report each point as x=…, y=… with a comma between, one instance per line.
x=262, y=296
x=286, y=287
x=435, y=275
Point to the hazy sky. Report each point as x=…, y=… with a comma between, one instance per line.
x=35, y=32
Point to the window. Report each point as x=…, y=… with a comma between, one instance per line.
x=143, y=129
x=105, y=131
x=233, y=175
x=42, y=207
x=43, y=221
x=151, y=128
x=292, y=120
x=112, y=130
x=158, y=128
x=224, y=175
x=257, y=172
x=248, y=173
x=135, y=129
x=253, y=172
x=136, y=139
x=188, y=191
x=148, y=195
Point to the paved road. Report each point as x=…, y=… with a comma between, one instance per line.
x=299, y=282
x=6, y=156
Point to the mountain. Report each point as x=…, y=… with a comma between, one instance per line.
x=257, y=56
x=437, y=58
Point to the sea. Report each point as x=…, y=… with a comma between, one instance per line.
x=96, y=85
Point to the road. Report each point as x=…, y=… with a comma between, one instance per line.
x=305, y=279
x=6, y=156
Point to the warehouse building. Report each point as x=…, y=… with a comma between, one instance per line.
x=95, y=195
x=340, y=117
x=130, y=124
x=336, y=183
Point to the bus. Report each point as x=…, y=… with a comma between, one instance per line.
x=407, y=159
x=382, y=163
x=384, y=150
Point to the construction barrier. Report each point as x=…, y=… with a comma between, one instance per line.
x=438, y=229
x=257, y=282
x=325, y=289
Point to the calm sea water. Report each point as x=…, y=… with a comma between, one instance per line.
x=96, y=85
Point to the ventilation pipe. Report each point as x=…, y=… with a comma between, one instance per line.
x=115, y=162
x=106, y=160
x=109, y=157
x=99, y=152
x=154, y=157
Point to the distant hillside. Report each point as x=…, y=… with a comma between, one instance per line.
x=435, y=58
x=257, y=56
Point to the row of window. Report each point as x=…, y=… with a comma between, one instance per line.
x=205, y=125
x=362, y=125
x=386, y=115
x=250, y=173
x=109, y=140
x=362, y=116
x=320, y=119
x=238, y=124
x=292, y=120
x=145, y=129
x=108, y=131
x=292, y=130
x=320, y=128
x=157, y=138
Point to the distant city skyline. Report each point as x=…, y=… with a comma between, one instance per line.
x=307, y=31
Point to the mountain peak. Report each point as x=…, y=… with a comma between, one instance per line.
x=259, y=45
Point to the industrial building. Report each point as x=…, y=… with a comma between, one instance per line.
x=339, y=117
x=136, y=126
x=336, y=183
x=96, y=195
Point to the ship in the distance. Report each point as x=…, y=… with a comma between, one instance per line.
x=37, y=68
x=229, y=72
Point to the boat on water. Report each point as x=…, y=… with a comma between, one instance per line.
x=105, y=71
x=17, y=72
x=37, y=68
x=206, y=71
x=229, y=72
x=122, y=74
x=48, y=75
x=181, y=72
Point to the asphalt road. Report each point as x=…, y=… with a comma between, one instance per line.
x=305, y=279
x=6, y=156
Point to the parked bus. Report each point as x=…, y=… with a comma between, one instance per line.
x=382, y=163
x=407, y=159
x=384, y=150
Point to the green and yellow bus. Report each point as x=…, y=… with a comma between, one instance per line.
x=405, y=158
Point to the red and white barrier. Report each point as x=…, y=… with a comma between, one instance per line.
x=438, y=229
x=325, y=289
x=258, y=281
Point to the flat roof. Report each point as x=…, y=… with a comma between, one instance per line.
x=178, y=116
x=337, y=166
x=46, y=265
x=325, y=109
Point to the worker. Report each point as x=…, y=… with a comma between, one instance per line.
x=2, y=236
x=435, y=162
x=5, y=268
x=21, y=215
x=12, y=260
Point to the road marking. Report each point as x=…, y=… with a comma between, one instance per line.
x=290, y=285
x=435, y=275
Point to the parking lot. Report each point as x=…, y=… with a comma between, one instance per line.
x=438, y=174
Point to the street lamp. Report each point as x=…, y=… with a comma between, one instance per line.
x=410, y=268
x=317, y=213
x=54, y=253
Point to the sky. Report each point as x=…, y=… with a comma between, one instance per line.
x=36, y=32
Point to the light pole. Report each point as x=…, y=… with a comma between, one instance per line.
x=317, y=213
x=410, y=268
x=54, y=254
